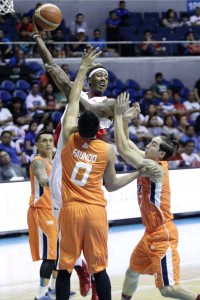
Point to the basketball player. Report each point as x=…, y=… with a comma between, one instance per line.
x=86, y=161
x=156, y=253
x=43, y=232
x=97, y=78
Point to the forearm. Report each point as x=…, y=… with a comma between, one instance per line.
x=78, y=85
x=43, y=51
x=123, y=180
x=104, y=109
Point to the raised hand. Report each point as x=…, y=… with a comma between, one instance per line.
x=132, y=112
x=122, y=103
x=89, y=57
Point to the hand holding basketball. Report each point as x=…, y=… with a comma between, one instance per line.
x=47, y=17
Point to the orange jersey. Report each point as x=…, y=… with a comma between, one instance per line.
x=83, y=165
x=154, y=200
x=40, y=196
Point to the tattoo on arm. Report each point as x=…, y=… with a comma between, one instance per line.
x=40, y=172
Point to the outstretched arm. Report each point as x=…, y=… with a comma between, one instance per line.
x=131, y=156
x=71, y=115
x=58, y=75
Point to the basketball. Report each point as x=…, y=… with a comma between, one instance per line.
x=48, y=17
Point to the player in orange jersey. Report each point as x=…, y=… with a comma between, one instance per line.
x=156, y=253
x=42, y=226
x=86, y=162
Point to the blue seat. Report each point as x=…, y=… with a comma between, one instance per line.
x=23, y=85
x=5, y=96
x=111, y=75
x=176, y=84
x=56, y=116
x=184, y=92
x=8, y=85
x=132, y=84
x=151, y=15
x=20, y=94
x=39, y=73
x=134, y=94
x=126, y=33
x=34, y=67
x=116, y=92
x=118, y=84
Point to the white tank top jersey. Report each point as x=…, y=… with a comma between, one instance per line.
x=56, y=169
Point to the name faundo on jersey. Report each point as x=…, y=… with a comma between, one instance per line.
x=84, y=156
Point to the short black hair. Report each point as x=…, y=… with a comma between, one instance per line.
x=41, y=133
x=168, y=146
x=158, y=74
x=6, y=131
x=88, y=124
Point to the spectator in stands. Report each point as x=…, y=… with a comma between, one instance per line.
x=159, y=86
x=153, y=127
x=6, y=145
x=185, y=21
x=190, y=135
x=81, y=43
x=20, y=116
x=18, y=60
x=79, y=23
x=189, y=156
x=29, y=140
x=147, y=100
x=49, y=96
x=195, y=19
x=25, y=25
x=112, y=28
x=6, y=117
x=197, y=90
x=192, y=106
x=182, y=125
x=139, y=133
x=45, y=79
x=31, y=11
x=123, y=13
x=59, y=50
x=48, y=126
x=35, y=104
x=191, y=48
x=152, y=111
x=176, y=160
x=178, y=103
x=170, y=19
x=2, y=60
x=98, y=41
x=26, y=47
x=6, y=49
x=151, y=47
x=166, y=106
x=10, y=171
x=169, y=127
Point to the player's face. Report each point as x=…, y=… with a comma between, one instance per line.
x=152, y=150
x=99, y=81
x=45, y=144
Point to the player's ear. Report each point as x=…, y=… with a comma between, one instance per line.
x=161, y=154
x=89, y=81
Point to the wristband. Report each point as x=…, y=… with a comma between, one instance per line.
x=36, y=35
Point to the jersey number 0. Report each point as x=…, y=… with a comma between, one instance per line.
x=87, y=168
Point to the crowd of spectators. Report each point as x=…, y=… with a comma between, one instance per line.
x=148, y=30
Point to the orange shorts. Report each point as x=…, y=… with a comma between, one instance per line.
x=43, y=233
x=156, y=254
x=83, y=228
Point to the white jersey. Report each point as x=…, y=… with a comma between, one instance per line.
x=56, y=169
x=104, y=122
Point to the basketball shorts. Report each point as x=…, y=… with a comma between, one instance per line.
x=43, y=233
x=156, y=254
x=83, y=228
